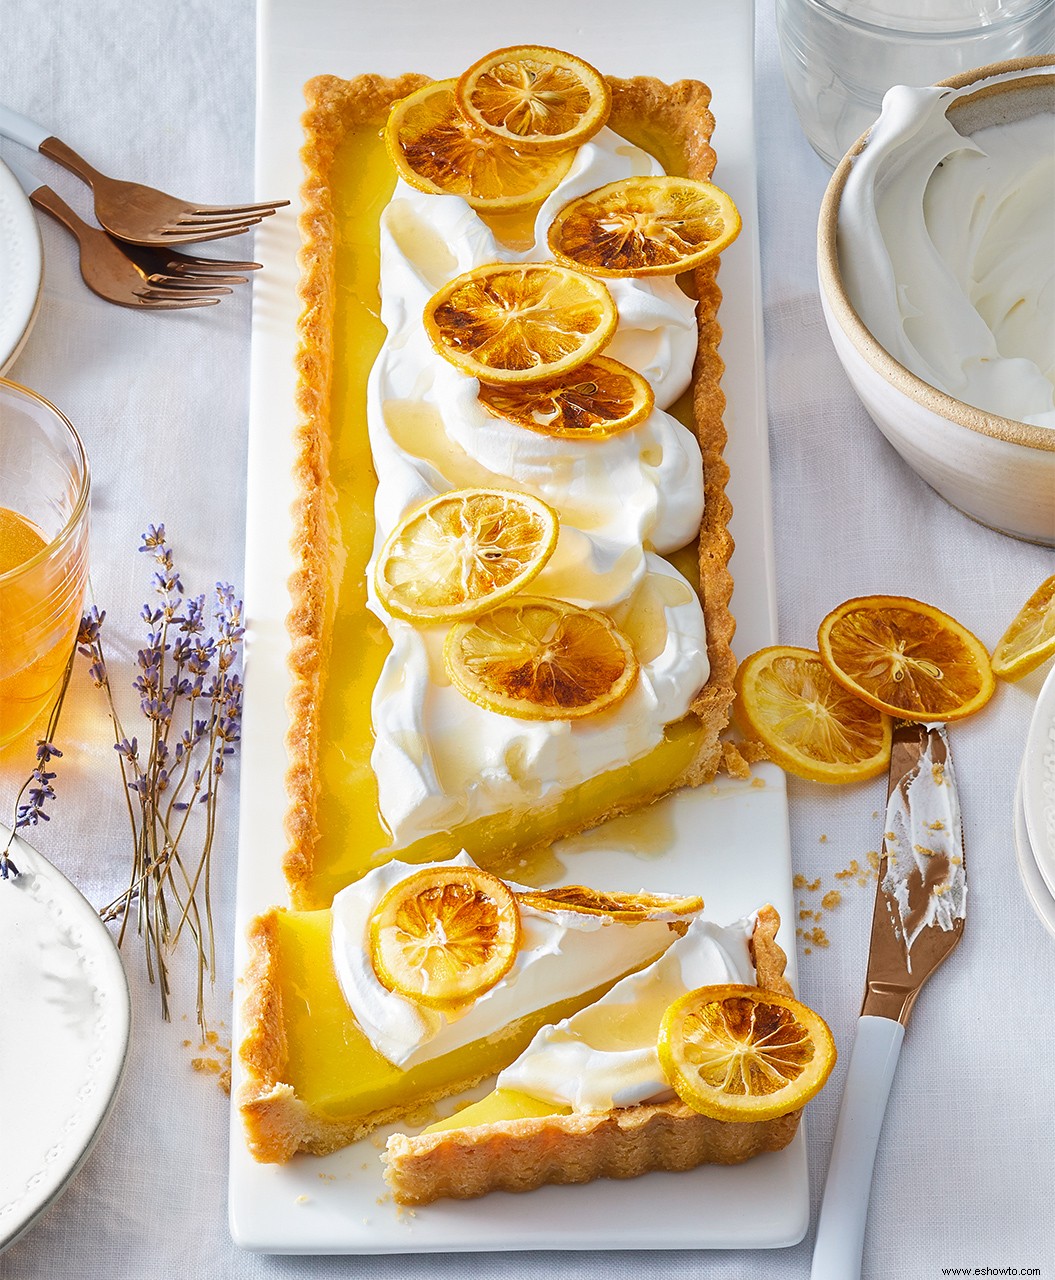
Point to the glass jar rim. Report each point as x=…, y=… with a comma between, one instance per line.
x=946, y=33
x=83, y=489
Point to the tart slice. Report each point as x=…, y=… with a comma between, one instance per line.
x=419, y=982
x=590, y=1097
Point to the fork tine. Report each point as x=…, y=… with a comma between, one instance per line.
x=230, y=209
x=187, y=218
x=157, y=292
x=179, y=263
x=203, y=284
x=190, y=232
x=171, y=304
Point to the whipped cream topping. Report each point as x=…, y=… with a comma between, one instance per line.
x=948, y=253
x=622, y=502
x=562, y=954
x=923, y=843
x=605, y=1055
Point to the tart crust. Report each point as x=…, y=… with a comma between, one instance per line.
x=676, y=116
x=521, y=1155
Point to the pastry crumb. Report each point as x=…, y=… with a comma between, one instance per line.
x=831, y=899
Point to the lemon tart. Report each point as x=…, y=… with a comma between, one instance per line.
x=391, y=753
x=339, y=1040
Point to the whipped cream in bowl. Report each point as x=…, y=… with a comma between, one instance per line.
x=936, y=258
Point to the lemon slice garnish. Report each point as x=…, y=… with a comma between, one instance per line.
x=435, y=149
x=535, y=99
x=906, y=658
x=445, y=935
x=809, y=723
x=528, y=322
x=1030, y=639
x=743, y=1054
x=627, y=907
x=462, y=551
x=645, y=226
x=598, y=399
x=541, y=659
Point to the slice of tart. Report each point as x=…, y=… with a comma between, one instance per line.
x=420, y=981
x=389, y=756
x=590, y=1097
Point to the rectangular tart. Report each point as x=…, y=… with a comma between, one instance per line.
x=334, y=830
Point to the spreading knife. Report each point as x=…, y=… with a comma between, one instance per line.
x=916, y=922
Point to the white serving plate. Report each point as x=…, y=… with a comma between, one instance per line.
x=21, y=267
x=1038, y=782
x=1036, y=889
x=729, y=841
x=65, y=1016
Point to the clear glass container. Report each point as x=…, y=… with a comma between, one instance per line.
x=44, y=519
x=841, y=56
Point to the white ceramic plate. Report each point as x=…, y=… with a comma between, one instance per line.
x=21, y=267
x=728, y=842
x=1036, y=889
x=1038, y=781
x=64, y=1023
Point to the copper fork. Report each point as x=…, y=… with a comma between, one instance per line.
x=131, y=211
x=133, y=275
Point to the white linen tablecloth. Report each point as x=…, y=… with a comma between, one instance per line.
x=967, y=1157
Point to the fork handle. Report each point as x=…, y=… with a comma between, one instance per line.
x=844, y=1206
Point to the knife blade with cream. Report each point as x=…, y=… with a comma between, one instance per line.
x=918, y=919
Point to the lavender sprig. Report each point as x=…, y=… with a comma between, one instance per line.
x=37, y=789
x=190, y=696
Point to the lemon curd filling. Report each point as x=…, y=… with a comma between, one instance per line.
x=351, y=834
x=332, y=1066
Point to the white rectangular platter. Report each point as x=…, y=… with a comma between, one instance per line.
x=728, y=841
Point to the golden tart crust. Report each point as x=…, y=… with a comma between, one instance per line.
x=521, y=1155
x=674, y=119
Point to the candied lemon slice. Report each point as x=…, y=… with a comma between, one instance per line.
x=462, y=551
x=541, y=659
x=1030, y=639
x=445, y=935
x=595, y=401
x=436, y=149
x=527, y=322
x=618, y=906
x=809, y=723
x=740, y=1053
x=906, y=658
x=534, y=98
x=645, y=226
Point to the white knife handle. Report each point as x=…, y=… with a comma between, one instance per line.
x=844, y=1206
x=20, y=128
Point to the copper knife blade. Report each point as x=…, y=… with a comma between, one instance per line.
x=921, y=892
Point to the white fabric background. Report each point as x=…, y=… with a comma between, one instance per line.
x=967, y=1160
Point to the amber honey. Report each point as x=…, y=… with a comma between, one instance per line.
x=43, y=556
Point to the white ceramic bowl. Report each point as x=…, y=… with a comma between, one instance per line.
x=994, y=469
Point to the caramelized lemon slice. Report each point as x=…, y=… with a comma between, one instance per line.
x=645, y=226
x=526, y=322
x=436, y=149
x=445, y=935
x=617, y=906
x=598, y=399
x=810, y=725
x=906, y=658
x=462, y=551
x=534, y=98
x=1030, y=639
x=541, y=659
x=740, y=1053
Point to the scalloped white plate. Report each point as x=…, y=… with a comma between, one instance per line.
x=65, y=1016
x=21, y=267
x=1038, y=782
x=1036, y=890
